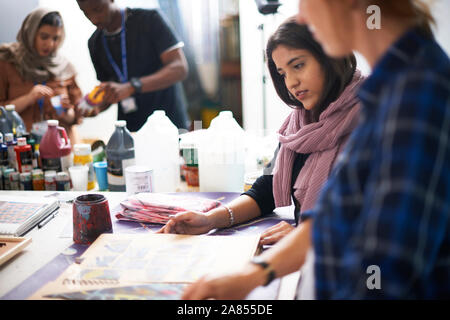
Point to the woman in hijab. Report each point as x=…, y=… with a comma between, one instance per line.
x=32, y=72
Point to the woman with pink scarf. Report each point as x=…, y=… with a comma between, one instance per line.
x=322, y=93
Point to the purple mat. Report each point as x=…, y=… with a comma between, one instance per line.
x=55, y=267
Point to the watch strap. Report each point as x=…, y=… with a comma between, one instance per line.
x=136, y=84
x=263, y=264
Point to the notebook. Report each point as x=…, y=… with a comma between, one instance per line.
x=19, y=214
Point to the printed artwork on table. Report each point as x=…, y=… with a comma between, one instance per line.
x=153, y=291
x=16, y=212
x=148, y=265
x=157, y=258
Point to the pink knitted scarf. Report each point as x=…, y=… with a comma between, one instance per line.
x=323, y=140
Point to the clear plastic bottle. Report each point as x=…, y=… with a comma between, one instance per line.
x=17, y=125
x=119, y=155
x=5, y=124
x=157, y=147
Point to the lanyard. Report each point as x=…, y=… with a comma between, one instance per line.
x=122, y=75
x=41, y=102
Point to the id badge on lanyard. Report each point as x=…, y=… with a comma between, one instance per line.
x=128, y=104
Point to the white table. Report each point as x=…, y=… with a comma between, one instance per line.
x=51, y=240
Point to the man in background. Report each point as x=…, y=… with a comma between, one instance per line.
x=139, y=60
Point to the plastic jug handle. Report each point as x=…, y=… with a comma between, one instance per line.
x=64, y=134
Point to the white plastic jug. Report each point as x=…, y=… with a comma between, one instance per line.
x=157, y=147
x=221, y=156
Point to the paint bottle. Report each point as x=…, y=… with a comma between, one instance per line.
x=11, y=143
x=25, y=181
x=50, y=180
x=62, y=181
x=119, y=155
x=17, y=125
x=6, y=180
x=4, y=160
x=55, y=149
x=83, y=156
x=89, y=101
x=38, y=180
x=14, y=180
x=24, y=155
x=34, y=151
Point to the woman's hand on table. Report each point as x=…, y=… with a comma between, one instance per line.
x=275, y=233
x=188, y=223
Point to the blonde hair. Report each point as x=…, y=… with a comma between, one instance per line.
x=417, y=11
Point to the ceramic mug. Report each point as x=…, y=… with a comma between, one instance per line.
x=91, y=218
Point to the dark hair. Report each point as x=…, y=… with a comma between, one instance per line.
x=338, y=72
x=53, y=19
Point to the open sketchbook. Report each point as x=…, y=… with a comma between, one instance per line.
x=152, y=266
x=19, y=214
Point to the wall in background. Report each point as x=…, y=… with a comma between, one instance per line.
x=11, y=17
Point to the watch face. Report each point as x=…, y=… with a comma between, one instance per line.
x=136, y=83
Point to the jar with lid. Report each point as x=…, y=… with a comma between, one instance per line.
x=14, y=180
x=50, y=180
x=25, y=181
x=38, y=180
x=62, y=181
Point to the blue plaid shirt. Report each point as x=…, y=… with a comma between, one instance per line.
x=381, y=224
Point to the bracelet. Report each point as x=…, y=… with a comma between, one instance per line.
x=230, y=212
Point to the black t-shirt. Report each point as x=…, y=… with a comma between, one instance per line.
x=148, y=35
x=262, y=189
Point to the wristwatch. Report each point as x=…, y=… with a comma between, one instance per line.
x=136, y=84
x=263, y=264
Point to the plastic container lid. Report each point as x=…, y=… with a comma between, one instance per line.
x=50, y=174
x=100, y=164
x=120, y=123
x=37, y=173
x=24, y=176
x=226, y=114
x=52, y=123
x=62, y=176
x=14, y=175
x=159, y=112
x=82, y=149
x=137, y=169
x=10, y=107
x=7, y=172
x=21, y=142
x=9, y=137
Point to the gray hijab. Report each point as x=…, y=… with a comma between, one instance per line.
x=30, y=65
